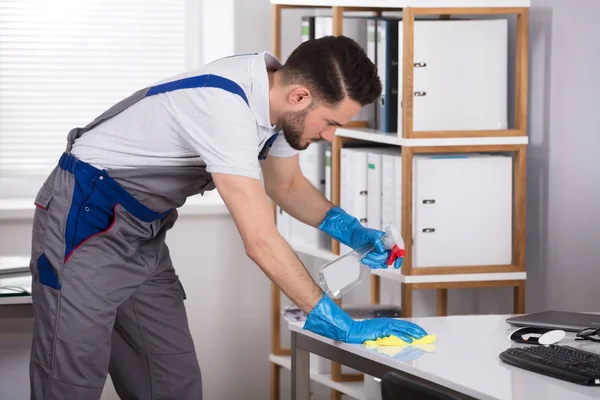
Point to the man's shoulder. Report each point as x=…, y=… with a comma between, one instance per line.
x=226, y=91
x=233, y=74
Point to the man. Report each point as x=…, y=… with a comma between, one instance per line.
x=106, y=295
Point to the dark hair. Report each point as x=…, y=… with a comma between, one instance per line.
x=333, y=67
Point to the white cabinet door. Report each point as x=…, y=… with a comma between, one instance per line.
x=462, y=211
x=460, y=75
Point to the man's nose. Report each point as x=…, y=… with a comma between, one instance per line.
x=328, y=134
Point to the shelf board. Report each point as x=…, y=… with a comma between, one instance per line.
x=323, y=254
x=375, y=136
x=393, y=274
x=355, y=390
x=395, y=4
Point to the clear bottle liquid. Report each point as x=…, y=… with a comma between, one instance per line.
x=341, y=275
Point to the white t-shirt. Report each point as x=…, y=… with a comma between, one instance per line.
x=195, y=126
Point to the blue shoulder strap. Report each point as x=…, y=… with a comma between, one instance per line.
x=208, y=80
x=213, y=81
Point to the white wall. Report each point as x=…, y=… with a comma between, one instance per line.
x=218, y=29
x=563, y=198
x=15, y=339
x=228, y=306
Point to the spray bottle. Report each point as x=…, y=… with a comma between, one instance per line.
x=341, y=275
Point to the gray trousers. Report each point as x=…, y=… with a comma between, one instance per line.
x=105, y=294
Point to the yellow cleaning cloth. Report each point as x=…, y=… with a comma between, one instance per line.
x=396, y=341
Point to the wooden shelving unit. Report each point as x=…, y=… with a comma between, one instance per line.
x=513, y=140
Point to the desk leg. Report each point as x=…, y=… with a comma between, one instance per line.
x=275, y=380
x=406, y=301
x=519, y=303
x=442, y=302
x=300, y=371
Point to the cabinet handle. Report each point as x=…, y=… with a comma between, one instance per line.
x=428, y=201
x=418, y=94
x=363, y=220
x=428, y=230
x=420, y=65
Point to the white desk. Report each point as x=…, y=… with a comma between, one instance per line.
x=464, y=359
x=16, y=300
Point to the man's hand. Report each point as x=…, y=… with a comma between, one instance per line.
x=348, y=230
x=253, y=215
x=329, y=320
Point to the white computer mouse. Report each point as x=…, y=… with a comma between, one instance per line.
x=552, y=337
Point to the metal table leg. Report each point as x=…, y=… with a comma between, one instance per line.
x=300, y=371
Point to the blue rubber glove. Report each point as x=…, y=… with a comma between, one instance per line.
x=348, y=230
x=329, y=320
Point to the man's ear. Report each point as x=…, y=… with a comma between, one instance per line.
x=300, y=97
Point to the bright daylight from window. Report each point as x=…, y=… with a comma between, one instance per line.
x=62, y=63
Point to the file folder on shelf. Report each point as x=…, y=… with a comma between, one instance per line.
x=328, y=172
x=353, y=185
x=387, y=55
x=380, y=178
x=391, y=189
x=284, y=223
x=312, y=164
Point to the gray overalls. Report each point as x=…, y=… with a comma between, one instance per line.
x=106, y=296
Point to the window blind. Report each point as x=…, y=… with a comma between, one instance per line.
x=63, y=62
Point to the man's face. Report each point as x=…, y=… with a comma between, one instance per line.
x=316, y=122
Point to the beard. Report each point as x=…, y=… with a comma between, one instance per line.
x=293, y=127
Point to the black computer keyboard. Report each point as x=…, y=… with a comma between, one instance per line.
x=562, y=362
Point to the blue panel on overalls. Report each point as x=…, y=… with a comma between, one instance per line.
x=265, y=150
x=95, y=197
x=96, y=194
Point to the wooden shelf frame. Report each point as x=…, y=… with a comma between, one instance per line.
x=519, y=170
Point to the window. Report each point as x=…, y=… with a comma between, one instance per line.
x=63, y=62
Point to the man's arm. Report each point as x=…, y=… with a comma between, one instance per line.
x=289, y=188
x=251, y=210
